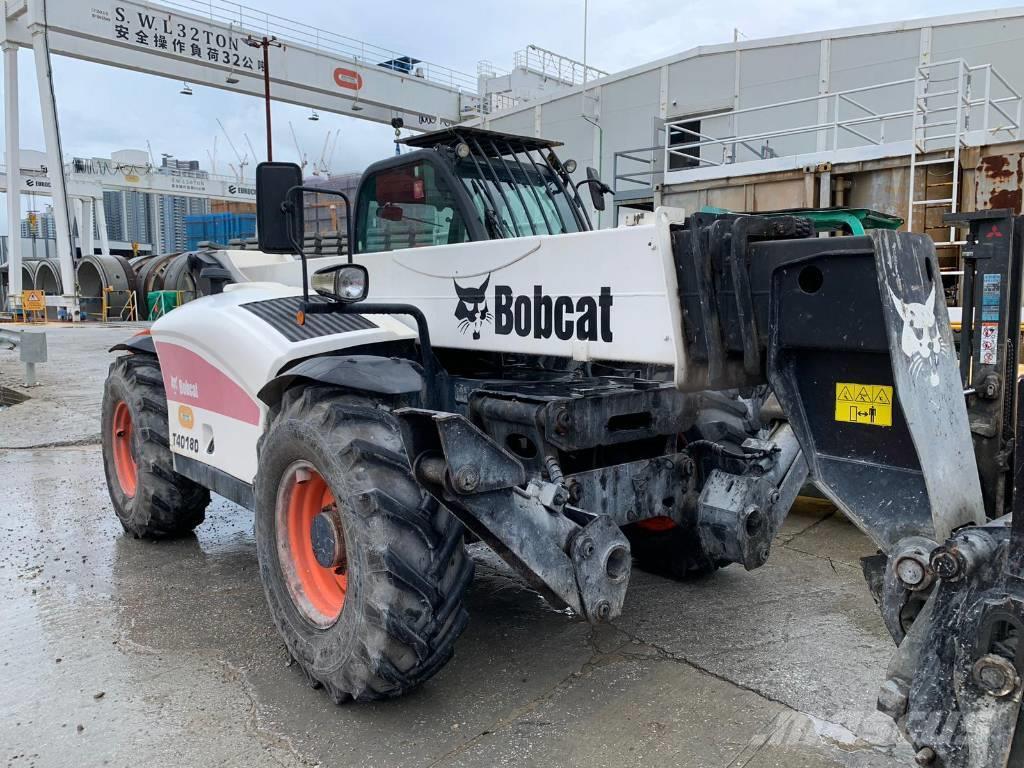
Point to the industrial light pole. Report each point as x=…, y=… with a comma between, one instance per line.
x=265, y=43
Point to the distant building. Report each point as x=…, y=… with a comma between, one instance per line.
x=38, y=225
x=129, y=215
x=172, y=209
x=113, y=209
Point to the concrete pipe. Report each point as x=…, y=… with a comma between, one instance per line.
x=48, y=277
x=28, y=275
x=95, y=273
x=179, y=277
x=151, y=273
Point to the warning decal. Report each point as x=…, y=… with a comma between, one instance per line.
x=864, y=404
x=989, y=343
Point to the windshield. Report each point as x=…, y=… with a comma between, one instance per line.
x=409, y=206
x=516, y=198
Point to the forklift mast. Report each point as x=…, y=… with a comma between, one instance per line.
x=990, y=344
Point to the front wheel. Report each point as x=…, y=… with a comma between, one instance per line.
x=363, y=572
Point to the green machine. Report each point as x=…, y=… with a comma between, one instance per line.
x=850, y=221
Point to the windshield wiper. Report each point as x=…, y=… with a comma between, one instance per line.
x=495, y=224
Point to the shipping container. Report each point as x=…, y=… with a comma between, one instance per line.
x=219, y=228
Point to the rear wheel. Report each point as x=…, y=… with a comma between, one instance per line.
x=151, y=499
x=364, y=573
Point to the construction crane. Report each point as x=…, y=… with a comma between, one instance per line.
x=243, y=160
x=302, y=161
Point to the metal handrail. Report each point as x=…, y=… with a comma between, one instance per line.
x=358, y=51
x=551, y=64
x=635, y=177
x=953, y=99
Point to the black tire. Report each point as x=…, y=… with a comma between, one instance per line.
x=405, y=563
x=162, y=504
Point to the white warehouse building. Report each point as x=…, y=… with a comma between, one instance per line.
x=843, y=117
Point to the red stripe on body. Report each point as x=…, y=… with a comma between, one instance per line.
x=188, y=378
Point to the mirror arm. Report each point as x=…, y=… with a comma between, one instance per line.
x=430, y=362
x=291, y=205
x=602, y=187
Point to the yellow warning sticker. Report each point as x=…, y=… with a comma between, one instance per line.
x=864, y=404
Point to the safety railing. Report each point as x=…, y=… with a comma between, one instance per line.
x=556, y=66
x=635, y=170
x=358, y=51
x=851, y=118
x=91, y=170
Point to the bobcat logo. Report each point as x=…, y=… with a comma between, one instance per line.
x=472, y=311
x=920, y=339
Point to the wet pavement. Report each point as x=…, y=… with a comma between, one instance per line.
x=126, y=653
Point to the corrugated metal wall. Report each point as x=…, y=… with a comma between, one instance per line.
x=629, y=108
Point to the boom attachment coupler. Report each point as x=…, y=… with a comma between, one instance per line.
x=574, y=558
x=853, y=335
x=854, y=339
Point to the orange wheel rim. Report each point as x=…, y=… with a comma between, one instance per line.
x=318, y=591
x=124, y=457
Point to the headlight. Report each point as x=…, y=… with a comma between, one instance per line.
x=569, y=166
x=350, y=283
x=342, y=282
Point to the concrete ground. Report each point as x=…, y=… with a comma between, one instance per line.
x=121, y=652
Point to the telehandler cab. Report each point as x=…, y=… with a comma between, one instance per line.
x=486, y=365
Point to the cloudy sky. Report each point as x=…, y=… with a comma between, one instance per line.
x=103, y=109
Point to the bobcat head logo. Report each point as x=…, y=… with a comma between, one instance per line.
x=920, y=338
x=472, y=311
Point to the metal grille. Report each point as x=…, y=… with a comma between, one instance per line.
x=279, y=314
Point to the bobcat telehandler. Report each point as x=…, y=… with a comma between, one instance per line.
x=486, y=366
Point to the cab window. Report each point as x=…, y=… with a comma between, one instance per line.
x=409, y=206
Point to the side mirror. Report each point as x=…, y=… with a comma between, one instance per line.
x=598, y=189
x=390, y=213
x=279, y=220
x=342, y=282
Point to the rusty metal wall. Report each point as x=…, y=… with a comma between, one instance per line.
x=998, y=179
